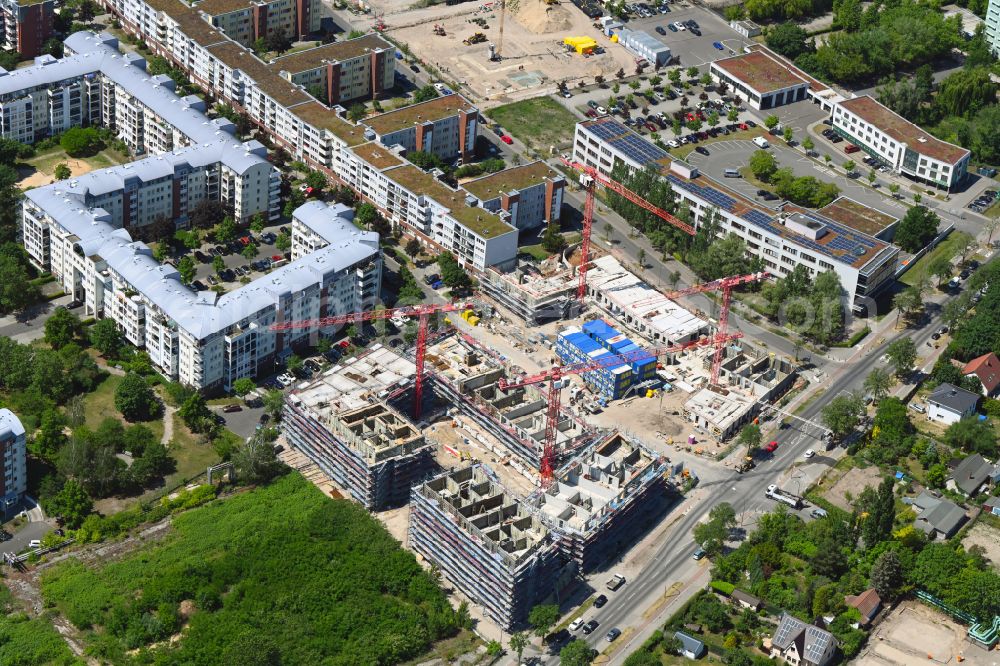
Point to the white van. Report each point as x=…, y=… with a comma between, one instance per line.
x=761, y=142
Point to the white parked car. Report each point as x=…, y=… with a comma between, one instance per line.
x=601, y=111
x=286, y=378
x=680, y=26
x=810, y=453
x=576, y=624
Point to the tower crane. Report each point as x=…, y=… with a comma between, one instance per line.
x=421, y=312
x=554, y=377
x=726, y=286
x=590, y=179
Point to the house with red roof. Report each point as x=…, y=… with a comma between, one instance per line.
x=987, y=369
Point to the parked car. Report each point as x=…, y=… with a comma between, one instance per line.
x=918, y=408
x=699, y=553
x=600, y=601
x=771, y=447
x=431, y=279
x=851, y=148
x=679, y=26
x=718, y=45
x=592, y=104
x=229, y=409
x=702, y=149
x=818, y=513
x=591, y=626
x=613, y=634
x=576, y=624
x=660, y=30
x=809, y=453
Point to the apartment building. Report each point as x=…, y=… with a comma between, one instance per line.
x=202, y=339
x=345, y=71
x=530, y=194
x=486, y=543
x=25, y=25
x=96, y=85
x=905, y=147
x=993, y=25
x=246, y=21
x=14, y=481
x=784, y=239
x=445, y=126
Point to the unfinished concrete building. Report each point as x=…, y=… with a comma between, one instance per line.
x=750, y=377
x=530, y=295
x=466, y=376
x=369, y=449
x=486, y=543
x=603, y=500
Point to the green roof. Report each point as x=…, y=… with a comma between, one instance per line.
x=509, y=180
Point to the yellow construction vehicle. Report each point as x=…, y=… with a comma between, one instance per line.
x=476, y=38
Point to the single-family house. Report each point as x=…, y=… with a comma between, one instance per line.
x=868, y=604
x=970, y=474
x=938, y=516
x=746, y=600
x=987, y=369
x=691, y=648
x=802, y=644
x=949, y=404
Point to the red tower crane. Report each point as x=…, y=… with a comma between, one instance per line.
x=726, y=286
x=555, y=375
x=591, y=178
x=421, y=312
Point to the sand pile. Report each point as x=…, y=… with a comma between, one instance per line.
x=541, y=18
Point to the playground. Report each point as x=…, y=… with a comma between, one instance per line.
x=916, y=633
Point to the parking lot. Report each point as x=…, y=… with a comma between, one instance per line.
x=238, y=268
x=691, y=49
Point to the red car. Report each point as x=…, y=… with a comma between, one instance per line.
x=276, y=257
x=851, y=148
x=506, y=139
x=771, y=448
x=245, y=240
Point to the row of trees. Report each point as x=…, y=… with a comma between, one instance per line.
x=812, y=308
x=802, y=190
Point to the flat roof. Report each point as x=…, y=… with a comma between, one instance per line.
x=510, y=180
x=760, y=71
x=857, y=216
x=317, y=57
x=272, y=85
x=903, y=131
x=192, y=24
x=479, y=220
x=429, y=111
x=219, y=7
x=322, y=117
x=377, y=155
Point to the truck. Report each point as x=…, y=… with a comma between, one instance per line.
x=745, y=466
x=779, y=495
x=616, y=581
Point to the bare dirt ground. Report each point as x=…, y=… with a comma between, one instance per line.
x=987, y=537
x=917, y=634
x=535, y=58
x=852, y=484
x=39, y=178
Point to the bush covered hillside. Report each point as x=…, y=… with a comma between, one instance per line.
x=278, y=575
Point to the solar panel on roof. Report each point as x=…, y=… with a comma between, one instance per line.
x=638, y=149
x=709, y=194
x=608, y=129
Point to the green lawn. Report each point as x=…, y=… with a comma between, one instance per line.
x=191, y=456
x=949, y=247
x=101, y=404
x=45, y=163
x=539, y=123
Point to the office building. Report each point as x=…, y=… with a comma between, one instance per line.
x=782, y=239
x=486, y=543
x=530, y=194
x=26, y=25
x=765, y=80
x=645, y=46
x=14, y=482
x=903, y=146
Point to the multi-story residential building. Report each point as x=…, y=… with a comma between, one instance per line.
x=444, y=126
x=993, y=25
x=782, y=240
x=486, y=542
x=202, y=339
x=14, y=481
x=530, y=194
x=344, y=71
x=246, y=21
x=905, y=147
x=25, y=25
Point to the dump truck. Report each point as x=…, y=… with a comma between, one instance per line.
x=475, y=38
x=779, y=495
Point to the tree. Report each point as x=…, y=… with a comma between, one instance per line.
x=972, y=436
x=283, y=242
x=62, y=328
x=936, y=475
x=808, y=144
x=712, y=535
x=894, y=189
x=788, y=39
x=940, y=268
x=886, y=575
x=542, y=618
x=733, y=114
x=877, y=384
x=62, y=171
x=517, y=642
x=575, y=653
x=106, y=337
x=917, y=228
x=257, y=223
x=879, y=511
x=425, y=94
x=250, y=251
x=187, y=269
x=274, y=401
x=255, y=460
x=771, y=122
x=50, y=437
x=908, y=301
x=552, y=240
x=608, y=230
x=787, y=134
x=226, y=230
x=16, y=291
x=763, y=165
x=750, y=437
x=902, y=354
x=218, y=264
x=412, y=247
x=849, y=166
x=135, y=399
x=81, y=141
x=195, y=413
x=243, y=386
x=694, y=124
x=841, y=415
x=72, y=504
x=452, y=273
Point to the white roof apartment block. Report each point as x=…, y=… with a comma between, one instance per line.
x=10, y=425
